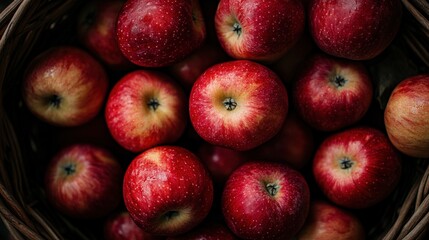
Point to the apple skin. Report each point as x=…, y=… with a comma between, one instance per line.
x=265, y=200
x=96, y=30
x=157, y=33
x=332, y=93
x=356, y=30
x=357, y=167
x=65, y=86
x=146, y=108
x=167, y=190
x=259, y=30
x=209, y=230
x=84, y=181
x=238, y=104
x=406, y=116
x=326, y=221
x=120, y=226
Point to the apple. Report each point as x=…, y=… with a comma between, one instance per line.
x=64, y=86
x=157, y=33
x=238, y=104
x=146, y=108
x=357, y=167
x=96, y=30
x=293, y=145
x=406, y=116
x=257, y=29
x=208, y=230
x=84, y=181
x=120, y=226
x=327, y=221
x=332, y=93
x=167, y=190
x=356, y=30
x=220, y=161
x=265, y=200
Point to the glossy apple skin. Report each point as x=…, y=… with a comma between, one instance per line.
x=267, y=28
x=251, y=212
x=84, y=181
x=65, y=86
x=146, y=108
x=406, y=116
x=156, y=33
x=208, y=230
x=357, y=168
x=167, y=190
x=327, y=221
x=96, y=30
x=332, y=93
x=261, y=104
x=293, y=145
x=356, y=30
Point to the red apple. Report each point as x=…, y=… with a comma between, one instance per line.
x=155, y=33
x=332, y=93
x=84, y=181
x=146, y=108
x=265, y=200
x=326, y=221
x=293, y=145
x=96, y=30
x=357, y=30
x=220, y=161
x=258, y=29
x=406, y=116
x=65, y=86
x=167, y=190
x=357, y=167
x=238, y=104
x=208, y=230
x=120, y=226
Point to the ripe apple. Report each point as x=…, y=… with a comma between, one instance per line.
x=84, y=181
x=356, y=30
x=293, y=145
x=357, y=167
x=146, y=108
x=332, y=93
x=406, y=116
x=257, y=29
x=120, y=226
x=65, y=86
x=265, y=200
x=220, y=161
x=238, y=104
x=167, y=190
x=96, y=30
x=326, y=221
x=208, y=230
x=156, y=33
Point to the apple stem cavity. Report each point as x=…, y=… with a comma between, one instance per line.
x=229, y=103
x=171, y=214
x=272, y=188
x=236, y=28
x=339, y=81
x=153, y=104
x=54, y=100
x=70, y=169
x=346, y=163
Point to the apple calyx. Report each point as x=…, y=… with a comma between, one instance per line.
x=170, y=215
x=153, y=104
x=54, y=100
x=272, y=188
x=236, y=28
x=69, y=169
x=346, y=163
x=338, y=81
x=229, y=103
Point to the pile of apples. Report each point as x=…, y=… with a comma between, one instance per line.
x=229, y=119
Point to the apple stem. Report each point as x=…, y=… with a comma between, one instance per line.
x=346, y=163
x=230, y=104
x=236, y=27
x=339, y=81
x=272, y=188
x=153, y=104
x=54, y=100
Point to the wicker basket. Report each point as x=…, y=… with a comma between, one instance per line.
x=29, y=26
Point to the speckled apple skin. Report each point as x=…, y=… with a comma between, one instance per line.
x=120, y=226
x=357, y=30
x=163, y=179
x=375, y=172
x=154, y=33
x=70, y=73
x=262, y=104
x=406, y=116
x=269, y=27
x=322, y=104
x=132, y=123
x=93, y=191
